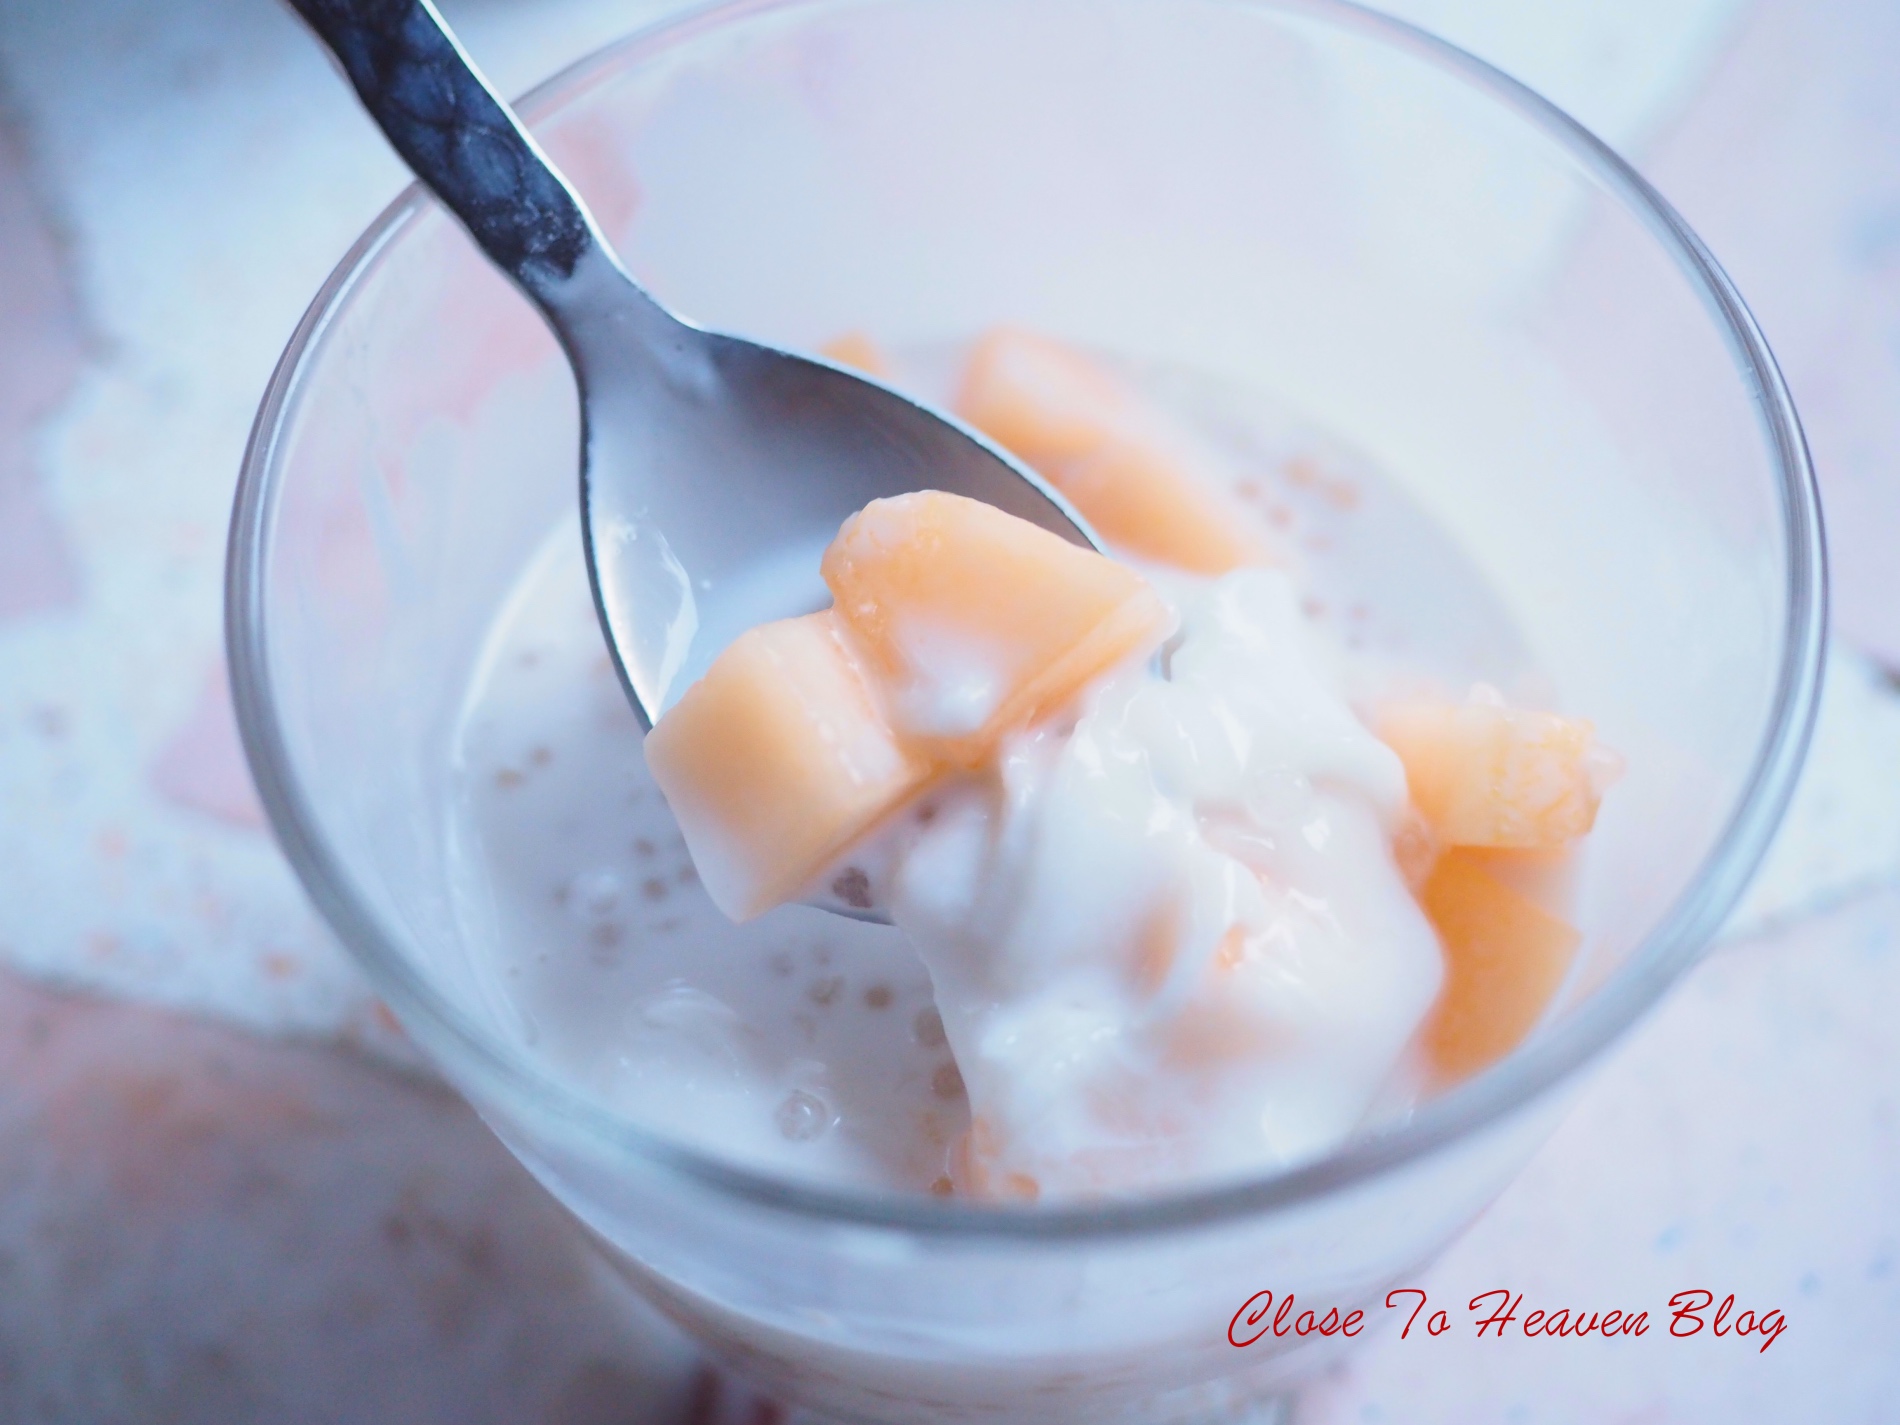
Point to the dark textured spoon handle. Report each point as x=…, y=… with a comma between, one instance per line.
x=459, y=138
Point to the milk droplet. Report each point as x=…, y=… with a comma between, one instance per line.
x=803, y=1116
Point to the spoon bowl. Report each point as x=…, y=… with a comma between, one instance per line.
x=716, y=470
x=713, y=470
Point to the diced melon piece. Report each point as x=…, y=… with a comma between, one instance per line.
x=776, y=761
x=976, y=621
x=1505, y=956
x=1129, y=472
x=1547, y=877
x=1483, y=774
x=857, y=350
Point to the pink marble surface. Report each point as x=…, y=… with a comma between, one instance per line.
x=207, y=1223
x=41, y=344
x=200, y=1225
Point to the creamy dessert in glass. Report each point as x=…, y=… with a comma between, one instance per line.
x=1516, y=432
x=1184, y=912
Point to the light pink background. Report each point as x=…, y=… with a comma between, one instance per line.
x=227, y=1194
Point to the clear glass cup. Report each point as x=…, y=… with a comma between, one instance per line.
x=1292, y=194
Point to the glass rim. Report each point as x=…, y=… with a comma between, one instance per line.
x=1488, y=1099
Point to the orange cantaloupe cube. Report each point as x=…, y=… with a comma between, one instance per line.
x=1122, y=464
x=1483, y=774
x=1505, y=957
x=776, y=761
x=857, y=350
x=975, y=622
x=1547, y=877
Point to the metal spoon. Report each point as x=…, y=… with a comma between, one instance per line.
x=713, y=469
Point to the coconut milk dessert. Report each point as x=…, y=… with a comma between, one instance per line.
x=1199, y=862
